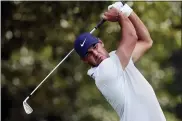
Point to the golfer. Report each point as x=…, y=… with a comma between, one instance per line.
x=115, y=74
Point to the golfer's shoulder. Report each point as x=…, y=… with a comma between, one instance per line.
x=115, y=59
x=108, y=69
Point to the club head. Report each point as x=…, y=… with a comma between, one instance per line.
x=26, y=107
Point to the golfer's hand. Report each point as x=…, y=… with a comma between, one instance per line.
x=127, y=10
x=111, y=15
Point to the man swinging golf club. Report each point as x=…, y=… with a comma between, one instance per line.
x=115, y=74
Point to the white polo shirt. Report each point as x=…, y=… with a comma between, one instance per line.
x=128, y=92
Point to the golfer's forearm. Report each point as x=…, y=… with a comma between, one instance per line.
x=140, y=28
x=127, y=28
x=128, y=33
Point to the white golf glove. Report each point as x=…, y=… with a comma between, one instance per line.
x=117, y=5
x=123, y=8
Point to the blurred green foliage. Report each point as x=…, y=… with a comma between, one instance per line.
x=35, y=36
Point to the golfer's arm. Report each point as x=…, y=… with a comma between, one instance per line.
x=144, y=40
x=127, y=42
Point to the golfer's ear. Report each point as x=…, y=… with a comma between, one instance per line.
x=100, y=41
x=84, y=60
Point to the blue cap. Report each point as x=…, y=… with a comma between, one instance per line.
x=83, y=42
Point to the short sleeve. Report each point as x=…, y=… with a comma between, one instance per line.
x=116, y=59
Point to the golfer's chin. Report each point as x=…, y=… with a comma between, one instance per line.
x=100, y=60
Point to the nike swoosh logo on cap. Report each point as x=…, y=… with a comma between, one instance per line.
x=83, y=42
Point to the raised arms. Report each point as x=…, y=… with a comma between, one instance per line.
x=128, y=35
x=131, y=29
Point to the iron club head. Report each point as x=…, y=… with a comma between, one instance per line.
x=27, y=108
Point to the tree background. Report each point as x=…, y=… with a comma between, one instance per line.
x=35, y=36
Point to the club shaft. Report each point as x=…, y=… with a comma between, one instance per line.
x=98, y=25
x=92, y=30
x=51, y=72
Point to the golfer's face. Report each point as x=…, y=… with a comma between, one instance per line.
x=96, y=54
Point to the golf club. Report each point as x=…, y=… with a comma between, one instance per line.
x=26, y=106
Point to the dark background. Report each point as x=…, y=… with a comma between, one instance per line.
x=35, y=36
